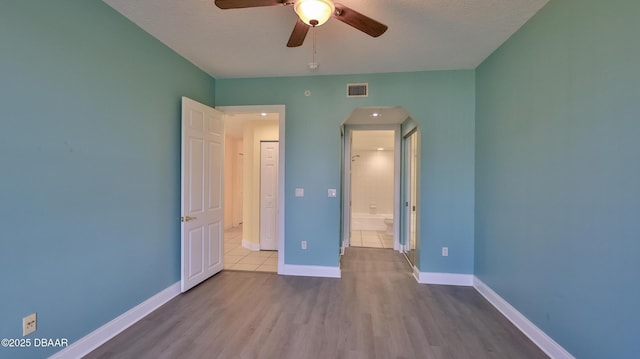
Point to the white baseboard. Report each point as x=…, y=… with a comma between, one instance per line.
x=309, y=271
x=93, y=340
x=540, y=338
x=443, y=278
x=250, y=245
x=416, y=273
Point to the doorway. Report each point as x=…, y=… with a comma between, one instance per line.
x=372, y=178
x=376, y=155
x=405, y=224
x=249, y=129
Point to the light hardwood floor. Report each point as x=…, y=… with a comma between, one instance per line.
x=376, y=310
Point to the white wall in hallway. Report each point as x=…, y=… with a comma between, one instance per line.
x=372, y=182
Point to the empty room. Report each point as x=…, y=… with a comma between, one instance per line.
x=508, y=226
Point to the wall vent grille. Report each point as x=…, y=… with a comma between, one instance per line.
x=358, y=90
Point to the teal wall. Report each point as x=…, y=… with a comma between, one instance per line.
x=90, y=167
x=535, y=154
x=558, y=174
x=443, y=104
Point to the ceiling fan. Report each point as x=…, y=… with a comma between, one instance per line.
x=312, y=13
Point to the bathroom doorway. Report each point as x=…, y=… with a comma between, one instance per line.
x=371, y=214
x=372, y=178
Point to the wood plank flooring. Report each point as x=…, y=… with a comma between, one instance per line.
x=376, y=310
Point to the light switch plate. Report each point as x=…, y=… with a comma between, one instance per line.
x=299, y=192
x=331, y=192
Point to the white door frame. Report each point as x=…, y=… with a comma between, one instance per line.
x=396, y=180
x=410, y=129
x=411, y=175
x=280, y=110
x=346, y=190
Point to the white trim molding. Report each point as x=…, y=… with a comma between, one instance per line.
x=309, y=271
x=93, y=340
x=443, y=278
x=250, y=245
x=540, y=338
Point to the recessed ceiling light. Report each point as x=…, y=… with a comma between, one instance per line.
x=376, y=114
x=380, y=149
x=264, y=114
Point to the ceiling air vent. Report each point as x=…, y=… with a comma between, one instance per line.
x=358, y=90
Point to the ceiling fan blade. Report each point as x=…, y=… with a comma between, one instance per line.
x=361, y=22
x=240, y=4
x=299, y=33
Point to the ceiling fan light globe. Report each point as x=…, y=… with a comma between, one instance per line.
x=314, y=12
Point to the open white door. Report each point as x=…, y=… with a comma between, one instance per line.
x=201, y=204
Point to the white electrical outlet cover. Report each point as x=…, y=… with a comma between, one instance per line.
x=29, y=324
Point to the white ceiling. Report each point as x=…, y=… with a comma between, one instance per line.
x=372, y=141
x=234, y=122
x=387, y=115
x=423, y=35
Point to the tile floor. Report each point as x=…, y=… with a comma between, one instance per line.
x=236, y=257
x=371, y=239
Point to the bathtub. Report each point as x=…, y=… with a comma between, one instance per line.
x=369, y=222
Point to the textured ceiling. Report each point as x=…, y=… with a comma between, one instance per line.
x=371, y=140
x=422, y=35
x=234, y=122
